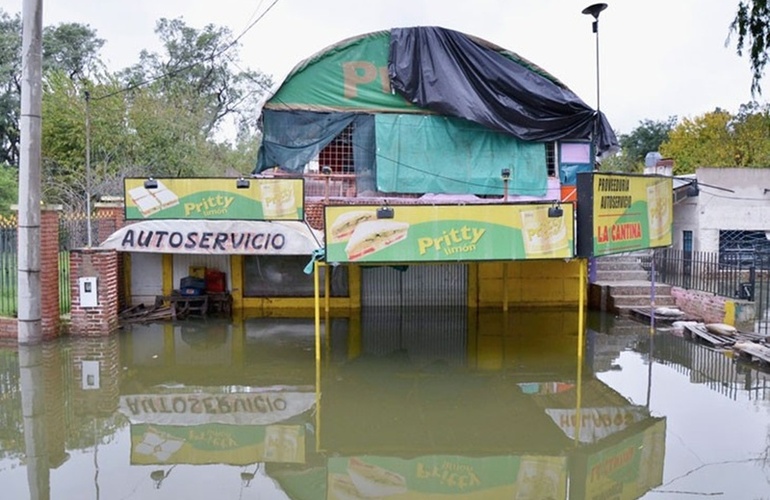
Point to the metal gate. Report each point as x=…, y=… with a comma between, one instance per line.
x=422, y=285
x=420, y=310
x=761, y=289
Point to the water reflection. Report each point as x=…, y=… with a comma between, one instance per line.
x=405, y=403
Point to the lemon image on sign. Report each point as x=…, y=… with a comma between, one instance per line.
x=543, y=234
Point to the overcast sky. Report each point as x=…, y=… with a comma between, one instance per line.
x=657, y=57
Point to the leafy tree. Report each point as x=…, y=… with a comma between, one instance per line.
x=752, y=25
x=9, y=188
x=720, y=139
x=72, y=48
x=10, y=87
x=199, y=71
x=645, y=138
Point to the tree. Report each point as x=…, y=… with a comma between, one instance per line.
x=720, y=139
x=9, y=189
x=199, y=70
x=752, y=25
x=646, y=137
x=10, y=87
x=72, y=48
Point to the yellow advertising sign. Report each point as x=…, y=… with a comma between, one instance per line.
x=427, y=233
x=214, y=199
x=625, y=470
x=217, y=443
x=447, y=477
x=624, y=213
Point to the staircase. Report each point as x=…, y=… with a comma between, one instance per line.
x=622, y=283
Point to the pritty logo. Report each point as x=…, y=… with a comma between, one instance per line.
x=452, y=241
x=210, y=205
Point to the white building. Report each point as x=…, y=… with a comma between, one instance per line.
x=722, y=209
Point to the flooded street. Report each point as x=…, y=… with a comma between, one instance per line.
x=404, y=403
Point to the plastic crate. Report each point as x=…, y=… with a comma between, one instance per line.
x=192, y=282
x=191, y=292
x=215, y=281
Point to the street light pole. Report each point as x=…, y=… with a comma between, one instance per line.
x=87, y=95
x=594, y=10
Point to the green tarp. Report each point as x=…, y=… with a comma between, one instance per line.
x=436, y=154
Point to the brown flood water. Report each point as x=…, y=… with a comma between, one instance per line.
x=404, y=404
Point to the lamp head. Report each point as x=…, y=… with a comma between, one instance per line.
x=326, y=170
x=242, y=183
x=151, y=183
x=595, y=9
x=505, y=173
x=555, y=211
x=385, y=212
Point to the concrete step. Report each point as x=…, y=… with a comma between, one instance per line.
x=625, y=311
x=622, y=275
x=640, y=300
x=619, y=266
x=620, y=290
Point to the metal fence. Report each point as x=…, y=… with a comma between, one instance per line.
x=72, y=234
x=8, y=266
x=761, y=290
x=706, y=272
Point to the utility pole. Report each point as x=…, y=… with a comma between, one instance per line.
x=88, y=165
x=30, y=125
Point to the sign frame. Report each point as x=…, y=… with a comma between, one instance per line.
x=614, y=214
x=449, y=233
x=214, y=198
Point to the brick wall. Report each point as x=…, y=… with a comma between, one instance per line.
x=9, y=328
x=104, y=399
x=110, y=217
x=703, y=305
x=102, y=264
x=49, y=273
x=314, y=207
x=50, y=323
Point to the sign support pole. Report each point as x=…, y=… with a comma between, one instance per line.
x=580, y=346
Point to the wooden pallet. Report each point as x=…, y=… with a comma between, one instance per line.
x=644, y=314
x=142, y=314
x=752, y=351
x=698, y=331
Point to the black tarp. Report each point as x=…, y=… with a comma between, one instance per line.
x=452, y=74
x=449, y=73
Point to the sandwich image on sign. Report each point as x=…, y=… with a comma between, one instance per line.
x=344, y=225
x=150, y=201
x=373, y=481
x=372, y=236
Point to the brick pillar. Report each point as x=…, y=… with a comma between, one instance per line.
x=102, y=397
x=49, y=271
x=49, y=278
x=109, y=215
x=102, y=319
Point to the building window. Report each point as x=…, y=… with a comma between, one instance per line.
x=338, y=154
x=284, y=276
x=687, y=241
x=550, y=158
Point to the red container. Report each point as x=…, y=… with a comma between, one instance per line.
x=215, y=281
